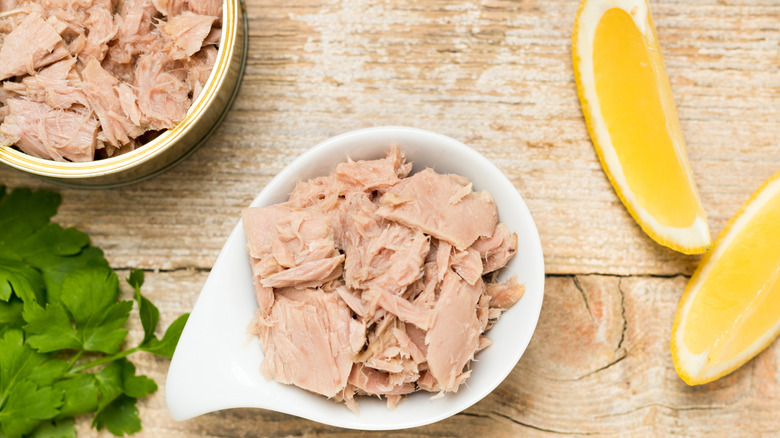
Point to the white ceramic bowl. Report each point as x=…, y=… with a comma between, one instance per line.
x=216, y=364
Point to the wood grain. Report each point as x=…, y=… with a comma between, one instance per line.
x=496, y=75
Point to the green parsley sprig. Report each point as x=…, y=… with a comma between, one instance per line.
x=59, y=304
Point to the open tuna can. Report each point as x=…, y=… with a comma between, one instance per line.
x=166, y=147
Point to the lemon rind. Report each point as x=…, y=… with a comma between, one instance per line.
x=684, y=361
x=694, y=239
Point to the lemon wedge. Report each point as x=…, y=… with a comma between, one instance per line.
x=730, y=310
x=632, y=120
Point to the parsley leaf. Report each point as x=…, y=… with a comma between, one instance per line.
x=57, y=252
x=120, y=417
x=167, y=345
x=54, y=273
x=80, y=395
x=148, y=312
x=26, y=392
x=11, y=314
x=50, y=329
x=135, y=386
x=120, y=388
x=150, y=316
x=22, y=212
x=119, y=378
x=55, y=429
x=90, y=295
x=27, y=406
x=109, y=384
x=18, y=362
x=27, y=236
x=52, y=240
x=59, y=299
x=21, y=278
x=89, y=317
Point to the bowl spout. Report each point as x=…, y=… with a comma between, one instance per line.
x=215, y=339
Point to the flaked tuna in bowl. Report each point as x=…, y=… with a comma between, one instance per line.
x=217, y=364
x=100, y=93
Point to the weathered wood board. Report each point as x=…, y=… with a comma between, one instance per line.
x=496, y=75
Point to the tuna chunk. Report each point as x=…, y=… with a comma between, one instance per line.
x=162, y=97
x=371, y=175
x=497, y=249
x=206, y=7
x=402, y=308
x=7, y=5
x=322, y=193
x=57, y=85
x=101, y=90
x=289, y=235
x=375, y=382
x=199, y=69
x=129, y=103
x=438, y=256
x=187, y=32
x=417, y=336
x=9, y=134
x=102, y=29
x=292, y=247
x=265, y=299
x=430, y=285
x=391, y=351
x=352, y=178
x=5, y=95
x=355, y=302
x=357, y=335
x=202, y=7
x=483, y=311
x=214, y=37
x=427, y=382
x=379, y=254
x=47, y=133
x=135, y=33
x=443, y=206
x=395, y=353
x=308, y=344
x=454, y=338
x=407, y=347
x=505, y=295
x=170, y=8
x=29, y=46
x=467, y=264
x=308, y=274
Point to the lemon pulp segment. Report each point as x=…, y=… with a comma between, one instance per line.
x=640, y=116
x=739, y=300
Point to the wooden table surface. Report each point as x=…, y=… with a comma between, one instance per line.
x=497, y=75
